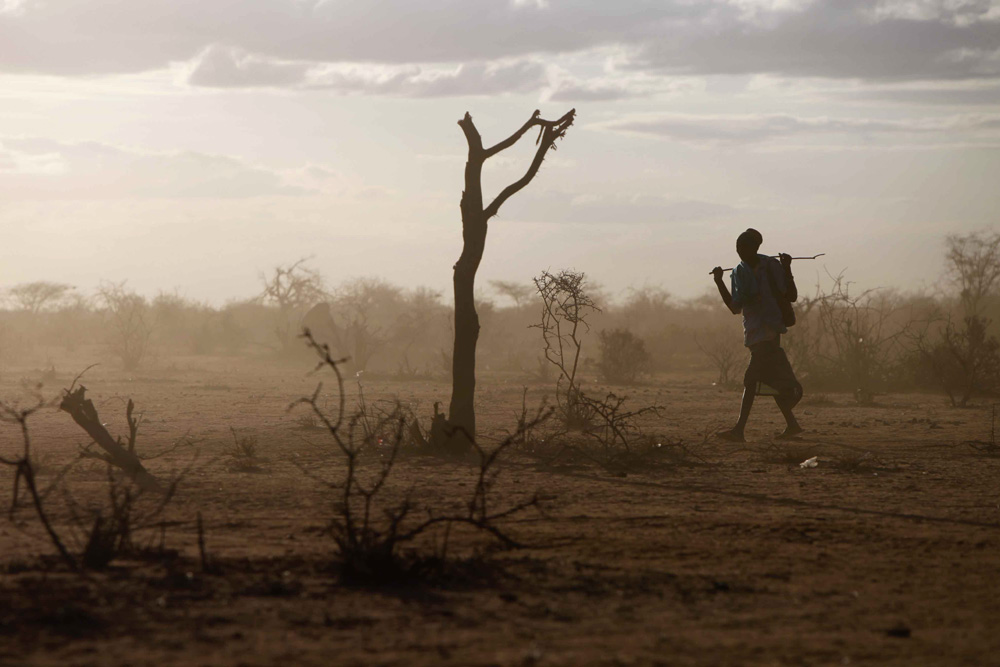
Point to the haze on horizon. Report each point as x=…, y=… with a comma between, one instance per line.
x=192, y=145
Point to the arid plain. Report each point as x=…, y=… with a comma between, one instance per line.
x=693, y=552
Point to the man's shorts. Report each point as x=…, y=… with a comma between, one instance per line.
x=769, y=373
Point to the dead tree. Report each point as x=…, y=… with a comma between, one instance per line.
x=119, y=455
x=291, y=288
x=461, y=428
x=130, y=323
x=973, y=265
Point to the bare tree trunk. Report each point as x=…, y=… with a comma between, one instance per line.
x=461, y=427
x=461, y=412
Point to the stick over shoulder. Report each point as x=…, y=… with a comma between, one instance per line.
x=776, y=257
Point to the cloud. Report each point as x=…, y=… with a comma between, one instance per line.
x=592, y=91
x=564, y=87
x=13, y=161
x=229, y=67
x=33, y=168
x=931, y=95
x=887, y=40
x=832, y=39
x=11, y=6
x=565, y=207
x=481, y=79
x=104, y=36
x=478, y=78
x=723, y=130
x=956, y=12
x=220, y=67
x=978, y=61
x=764, y=11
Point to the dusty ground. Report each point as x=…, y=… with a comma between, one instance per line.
x=730, y=556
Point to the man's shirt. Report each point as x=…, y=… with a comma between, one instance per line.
x=761, y=314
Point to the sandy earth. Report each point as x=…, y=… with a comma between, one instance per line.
x=886, y=553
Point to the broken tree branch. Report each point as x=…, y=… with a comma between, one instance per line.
x=512, y=139
x=83, y=412
x=551, y=132
x=472, y=136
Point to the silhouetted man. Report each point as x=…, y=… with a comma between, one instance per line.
x=758, y=281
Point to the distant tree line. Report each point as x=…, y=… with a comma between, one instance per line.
x=863, y=341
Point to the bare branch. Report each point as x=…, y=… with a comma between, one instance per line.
x=512, y=139
x=79, y=375
x=551, y=132
x=23, y=469
x=83, y=412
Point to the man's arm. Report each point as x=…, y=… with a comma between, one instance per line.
x=791, y=291
x=724, y=291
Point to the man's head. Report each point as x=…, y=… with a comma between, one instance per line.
x=747, y=245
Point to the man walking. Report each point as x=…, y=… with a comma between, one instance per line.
x=758, y=283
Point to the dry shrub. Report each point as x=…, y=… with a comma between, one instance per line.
x=126, y=523
x=243, y=455
x=605, y=422
x=964, y=360
x=130, y=321
x=565, y=309
x=863, y=334
x=623, y=357
x=11, y=412
x=375, y=538
x=134, y=502
x=307, y=421
x=725, y=349
x=973, y=267
x=524, y=434
x=614, y=439
x=616, y=428
x=101, y=530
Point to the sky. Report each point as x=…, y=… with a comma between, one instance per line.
x=190, y=145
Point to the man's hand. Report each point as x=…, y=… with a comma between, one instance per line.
x=791, y=291
x=717, y=273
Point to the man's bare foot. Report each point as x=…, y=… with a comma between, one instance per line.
x=731, y=435
x=789, y=432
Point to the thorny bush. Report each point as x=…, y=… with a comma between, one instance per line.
x=565, y=308
x=374, y=538
x=101, y=531
x=623, y=356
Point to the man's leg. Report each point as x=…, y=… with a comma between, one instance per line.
x=785, y=404
x=787, y=401
x=736, y=434
x=745, y=406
